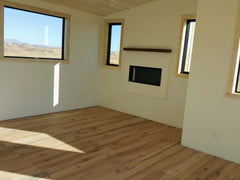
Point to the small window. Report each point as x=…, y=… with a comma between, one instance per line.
x=34, y=35
x=113, y=45
x=187, y=37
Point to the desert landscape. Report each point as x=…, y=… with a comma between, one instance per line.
x=114, y=58
x=16, y=48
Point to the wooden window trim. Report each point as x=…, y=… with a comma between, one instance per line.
x=106, y=33
x=184, y=20
x=235, y=63
x=67, y=18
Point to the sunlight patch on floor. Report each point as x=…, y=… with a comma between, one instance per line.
x=34, y=139
x=15, y=176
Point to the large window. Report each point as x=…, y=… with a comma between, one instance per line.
x=113, y=44
x=187, y=37
x=34, y=34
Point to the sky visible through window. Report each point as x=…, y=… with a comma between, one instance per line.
x=32, y=28
x=116, y=38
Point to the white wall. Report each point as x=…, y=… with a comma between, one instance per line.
x=153, y=25
x=212, y=121
x=27, y=88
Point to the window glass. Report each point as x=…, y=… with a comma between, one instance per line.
x=237, y=89
x=33, y=35
x=114, y=44
x=188, y=46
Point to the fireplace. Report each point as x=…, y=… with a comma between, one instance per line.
x=145, y=75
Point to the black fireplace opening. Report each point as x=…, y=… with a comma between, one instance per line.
x=145, y=75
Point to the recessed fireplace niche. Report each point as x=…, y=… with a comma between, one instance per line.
x=145, y=75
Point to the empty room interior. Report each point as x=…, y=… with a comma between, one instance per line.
x=119, y=89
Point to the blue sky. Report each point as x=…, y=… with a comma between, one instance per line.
x=116, y=38
x=32, y=28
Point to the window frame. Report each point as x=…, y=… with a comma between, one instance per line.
x=107, y=43
x=235, y=65
x=66, y=33
x=180, y=72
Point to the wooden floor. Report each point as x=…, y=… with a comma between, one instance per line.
x=102, y=144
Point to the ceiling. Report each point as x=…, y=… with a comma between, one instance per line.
x=99, y=7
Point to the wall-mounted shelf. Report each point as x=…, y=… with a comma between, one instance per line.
x=148, y=50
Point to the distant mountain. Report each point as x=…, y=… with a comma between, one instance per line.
x=13, y=41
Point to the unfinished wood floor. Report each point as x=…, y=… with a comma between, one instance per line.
x=102, y=144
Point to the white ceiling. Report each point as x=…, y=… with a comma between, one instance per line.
x=100, y=7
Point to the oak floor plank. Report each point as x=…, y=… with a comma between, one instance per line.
x=102, y=144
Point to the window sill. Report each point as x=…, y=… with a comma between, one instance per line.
x=182, y=75
x=233, y=95
x=112, y=67
x=33, y=60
